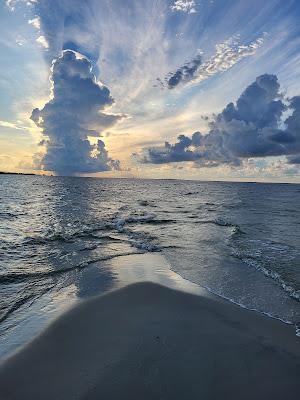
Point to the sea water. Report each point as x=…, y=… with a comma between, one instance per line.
x=59, y=236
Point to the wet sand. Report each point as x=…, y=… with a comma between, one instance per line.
x=147, y=341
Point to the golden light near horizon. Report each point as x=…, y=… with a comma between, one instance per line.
x=155, y=76
x=149, y=199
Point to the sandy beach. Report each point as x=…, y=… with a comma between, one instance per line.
x=147, y=341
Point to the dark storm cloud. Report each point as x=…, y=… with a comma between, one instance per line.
x=75, y=111
x=294, y=159
x=185, y=73
x=180, y=151
x=253, y=127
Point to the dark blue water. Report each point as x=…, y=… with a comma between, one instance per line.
x=238, y=240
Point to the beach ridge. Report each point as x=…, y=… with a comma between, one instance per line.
x=152, y=342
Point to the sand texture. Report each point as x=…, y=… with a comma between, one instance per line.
x=147, y=341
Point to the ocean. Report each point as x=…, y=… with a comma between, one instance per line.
x=63, y=239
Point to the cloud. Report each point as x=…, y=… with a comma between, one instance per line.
x=11, y=125
x=75, y=112
x=185, y=73
x=70, y=24
x=43, y=41
x=187, y=6
x=227, y=54
x=183, y=150
x=294, y=159
x=11, y=4
x=253, y=127
x=36, y=22
x=64, y=24
x=20, y=40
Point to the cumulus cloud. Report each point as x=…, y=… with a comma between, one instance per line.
x=253, y=127
x=227, y=54
x=75, y=112
x=185, y=149
x=187, y=6
x=69, y=31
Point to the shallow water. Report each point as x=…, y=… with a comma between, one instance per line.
x=63, y=239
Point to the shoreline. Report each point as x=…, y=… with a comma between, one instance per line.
x=166, y=276
x=137, y=178
x=127, y=270
x=149, y=341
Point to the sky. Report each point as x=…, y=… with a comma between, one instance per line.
x=185, y=89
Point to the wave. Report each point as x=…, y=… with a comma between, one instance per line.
x=161, y=221
x=146, y=203
x=149, y=247
x=116, y=223
x=63, y=236
x=147, y=219
x=53, y=237
x=287, y=287
x=240, y=304
x=19, y=277
x=25, y=300
x=236, y=229
x=8, y=215
x=190, y=193
x=150, y=219
x=223, y=222
x=15, y=306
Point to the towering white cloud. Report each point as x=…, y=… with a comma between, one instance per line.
x=68, y=30
x=75, y=112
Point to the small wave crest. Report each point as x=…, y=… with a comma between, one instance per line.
x=224, y=222
x=151, y=219
x=277, y=277
x=235, y=229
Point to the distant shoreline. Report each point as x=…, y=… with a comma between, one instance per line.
x=18, y=173
x=150, y=179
